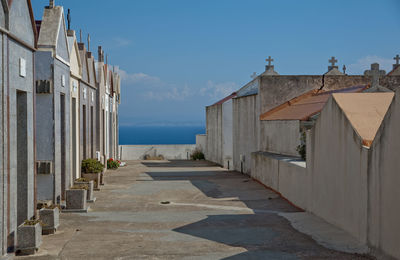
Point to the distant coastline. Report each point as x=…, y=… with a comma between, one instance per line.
x=134, y=135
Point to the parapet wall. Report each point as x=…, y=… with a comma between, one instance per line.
x=169, y=152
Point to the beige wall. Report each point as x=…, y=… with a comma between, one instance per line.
x=384, y=184
x=337, y=171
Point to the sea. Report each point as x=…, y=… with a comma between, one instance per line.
x=131, y=135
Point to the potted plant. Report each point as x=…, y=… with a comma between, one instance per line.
x=50, y=218
x=91, y=169
x=29, y=237
x=113, y=164
x=76, y=198
x=90, y=184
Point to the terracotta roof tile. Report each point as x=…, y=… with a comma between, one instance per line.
x=306, y=105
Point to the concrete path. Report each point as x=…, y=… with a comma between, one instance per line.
x=183, y=210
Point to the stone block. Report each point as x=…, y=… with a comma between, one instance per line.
x=76, y=199
x=93, y=176
x=29, y=238
x=90, y=190
x=50, y=219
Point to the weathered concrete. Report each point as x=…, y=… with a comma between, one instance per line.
x=212, y=214
x=384, y=182
x=170, y=152
x=281, y=137
x=214, y=133
x=201, y=142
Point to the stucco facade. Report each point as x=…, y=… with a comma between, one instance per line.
x=17, y=161
x=53, y=106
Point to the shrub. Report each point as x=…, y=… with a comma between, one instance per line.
x=113, y=164
x=197, y=155
x=301, y=149
x=91, y=166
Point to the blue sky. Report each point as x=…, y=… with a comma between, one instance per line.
x=177, y=56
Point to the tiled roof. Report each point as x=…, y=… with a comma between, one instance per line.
x=365, y=111
x=306, y=105
x=225, y=99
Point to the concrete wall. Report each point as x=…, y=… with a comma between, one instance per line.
x=280, y=137
x=337, y=171
x=274, y=90
x=214, y=134
x=384, y=183
x=246, y=121
x=169, y=152
x=285, y=174
x=201, y=142
x=227, y=134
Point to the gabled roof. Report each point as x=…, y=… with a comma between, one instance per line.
x=225, y=99
x=7, y=5
x=305, y=106
x=365, y=112
x=394, y=72
x=53, y=19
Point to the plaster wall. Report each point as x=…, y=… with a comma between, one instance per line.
x=20, y=22
x=284, y=174
x=227, y=134
x=337, y=171
x=25, y=84
x=281, y=137
x=275, y=90
x=3, y=143
x=2, y=17
x=246, y=123
x=214, y=134
x=201, y=142
x=384, y=182
x=169, y=152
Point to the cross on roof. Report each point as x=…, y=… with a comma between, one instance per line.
x=269, y=60
x=333, y=61
x=69, y=19
x=375, y=73
x=254, y=75
x=397, y=59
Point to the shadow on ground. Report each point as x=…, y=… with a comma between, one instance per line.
x=264, y=234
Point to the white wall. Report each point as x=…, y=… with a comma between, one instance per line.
x=384, y=184
x=227, y=134
x=246, y=122
x=337, y=171
x=169, y=152
x=214, y=134
x=201, y=142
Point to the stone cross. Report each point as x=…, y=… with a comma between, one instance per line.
x=375, y=73
x=269, y=60
x=69, y=19
x=397, y=59
x=254, y=75
x=344, y=69
x=51, y=4
x=80, y=35
x=333, y=61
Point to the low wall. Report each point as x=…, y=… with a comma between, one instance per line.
x=285, y=174
x=169, y=152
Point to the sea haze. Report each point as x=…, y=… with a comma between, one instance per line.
x=159, y=134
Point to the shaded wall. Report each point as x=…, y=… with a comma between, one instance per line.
x=214, y=134
x=280, y=137
x=337, y=171
x=245, y=131
x=384, y=183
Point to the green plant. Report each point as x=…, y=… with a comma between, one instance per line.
x=91, y=166
x=301, y=148
x=32, y=222
x=112, y=164
x=81, y=180
x=197, y=155
x=80, y=187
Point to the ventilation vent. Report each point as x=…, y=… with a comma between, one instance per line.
x=44, y=87
x=44, y=167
